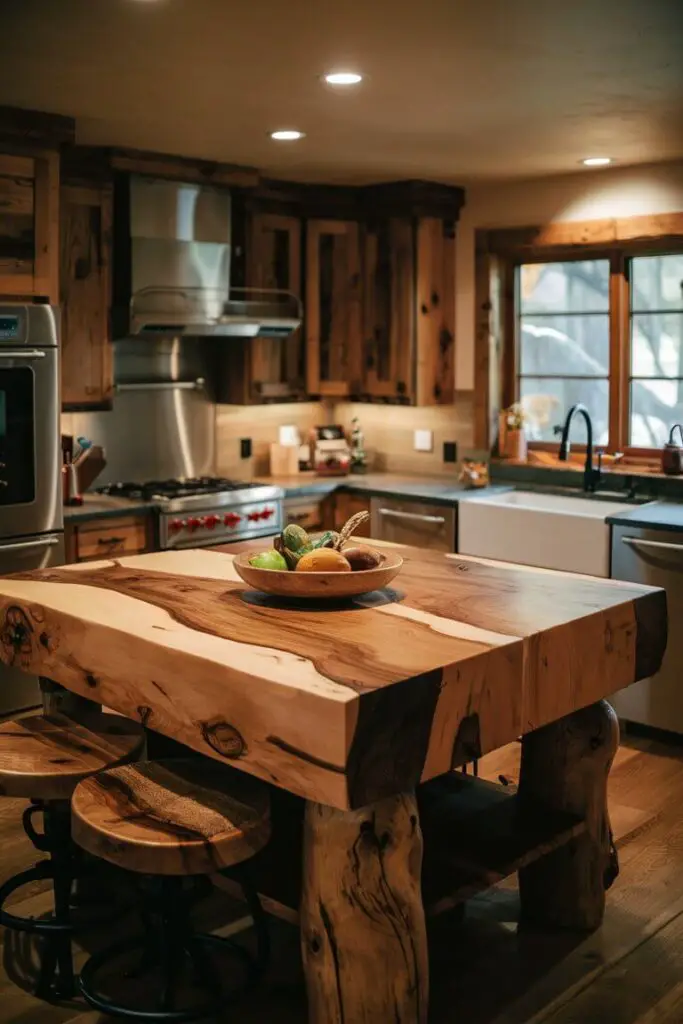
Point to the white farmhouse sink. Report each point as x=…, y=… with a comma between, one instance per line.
x=552, y=531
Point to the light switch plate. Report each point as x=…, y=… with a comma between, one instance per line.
x=424, y=441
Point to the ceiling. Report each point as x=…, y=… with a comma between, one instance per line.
x=456, y=90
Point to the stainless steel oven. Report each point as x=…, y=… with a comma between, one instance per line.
x=30, y=491
x=31, y=519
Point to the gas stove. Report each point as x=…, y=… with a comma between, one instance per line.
x=207, y=510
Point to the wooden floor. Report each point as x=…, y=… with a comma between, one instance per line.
x=630, y=972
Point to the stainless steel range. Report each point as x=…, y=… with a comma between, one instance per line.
x=207, y=510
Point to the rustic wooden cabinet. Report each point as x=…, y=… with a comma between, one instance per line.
x=85, y=295
x=341, y=505
x=388, y=259
x=277, y=368
x=333, y=308
x=409, y=310
x=88, y=540
x=29, y=226
x=267, y=369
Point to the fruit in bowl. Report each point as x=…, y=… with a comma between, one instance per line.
x=295, y=550
x=323, y=560
x=269, y=560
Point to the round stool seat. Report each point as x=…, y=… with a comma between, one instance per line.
x=174, y=817
x=44, y=757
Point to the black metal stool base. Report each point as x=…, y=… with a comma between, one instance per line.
x=172, y=948
x=56, y=977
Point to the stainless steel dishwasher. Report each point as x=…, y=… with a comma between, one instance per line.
x=418, y=523
x=654, y=557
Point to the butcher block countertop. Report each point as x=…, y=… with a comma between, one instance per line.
x=345, y=704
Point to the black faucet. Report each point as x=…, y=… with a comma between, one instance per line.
x=591, y=477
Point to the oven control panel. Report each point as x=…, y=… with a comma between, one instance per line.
x=203, y=528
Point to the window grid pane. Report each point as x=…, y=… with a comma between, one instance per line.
x=656, y=346
x=563, y=331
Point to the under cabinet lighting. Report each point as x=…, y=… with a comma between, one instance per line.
x=597, y=161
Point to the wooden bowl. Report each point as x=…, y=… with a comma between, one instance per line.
x=325, y=585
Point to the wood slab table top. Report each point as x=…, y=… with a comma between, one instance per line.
x=343, y=704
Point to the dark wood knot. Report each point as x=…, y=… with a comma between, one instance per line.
x=224, y=739
x=16, y=636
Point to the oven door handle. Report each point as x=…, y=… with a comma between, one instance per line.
x=24, y=545
x=27, y=353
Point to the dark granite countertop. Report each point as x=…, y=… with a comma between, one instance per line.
x=658, y=515
x=432, y=489
x=101, y=506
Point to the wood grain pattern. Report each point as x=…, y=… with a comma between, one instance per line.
x=362, y=907
x=46, y=756
x=85, y=294
x=342, y=706
x=177, y=817
x=565, y=767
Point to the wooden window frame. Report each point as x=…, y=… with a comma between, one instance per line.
x=499, y=252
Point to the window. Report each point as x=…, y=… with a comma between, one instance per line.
x=656, y=342
x=563, y=332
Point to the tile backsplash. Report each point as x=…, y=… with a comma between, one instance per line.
x=389, y=433
x=260, y=423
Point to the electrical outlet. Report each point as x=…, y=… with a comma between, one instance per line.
x=245, y=447
x=450, y=451
x=423, y=441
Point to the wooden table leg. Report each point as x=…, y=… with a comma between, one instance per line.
x=565, y=765
x=362, y=921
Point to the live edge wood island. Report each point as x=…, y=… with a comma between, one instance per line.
x=352, y=710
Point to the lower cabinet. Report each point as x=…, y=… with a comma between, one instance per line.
x=341, y=506
x=91, y=540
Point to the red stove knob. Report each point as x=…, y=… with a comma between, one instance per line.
x=211, y=522
x=232, y=519
x=194, y=524
x=176, y=525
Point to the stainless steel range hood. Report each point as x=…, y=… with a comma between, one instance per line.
x=172, y=247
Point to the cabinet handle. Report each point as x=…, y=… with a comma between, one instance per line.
x=414, y=516
x=111, y=540
x=297, y=517
x=636, y=543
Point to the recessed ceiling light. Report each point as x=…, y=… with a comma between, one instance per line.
x=287, y=135
x=343, y=78
x=597, y=161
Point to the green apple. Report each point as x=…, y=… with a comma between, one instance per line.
x=269, y=560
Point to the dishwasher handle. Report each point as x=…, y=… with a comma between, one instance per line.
x=393, y=513
x=636, y=542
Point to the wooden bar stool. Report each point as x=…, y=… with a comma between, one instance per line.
x=173, y=822
x=43, y=758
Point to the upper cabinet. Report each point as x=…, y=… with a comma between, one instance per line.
x=85, y=295
x=380, y=297
x=333, y=308
x=277, y=368
x=29, y=203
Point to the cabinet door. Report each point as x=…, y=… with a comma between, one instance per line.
x=278, y=367
x=389, y=308
x=435, y=311
x=85, y=290
x=347, y=505
x=333, y=308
